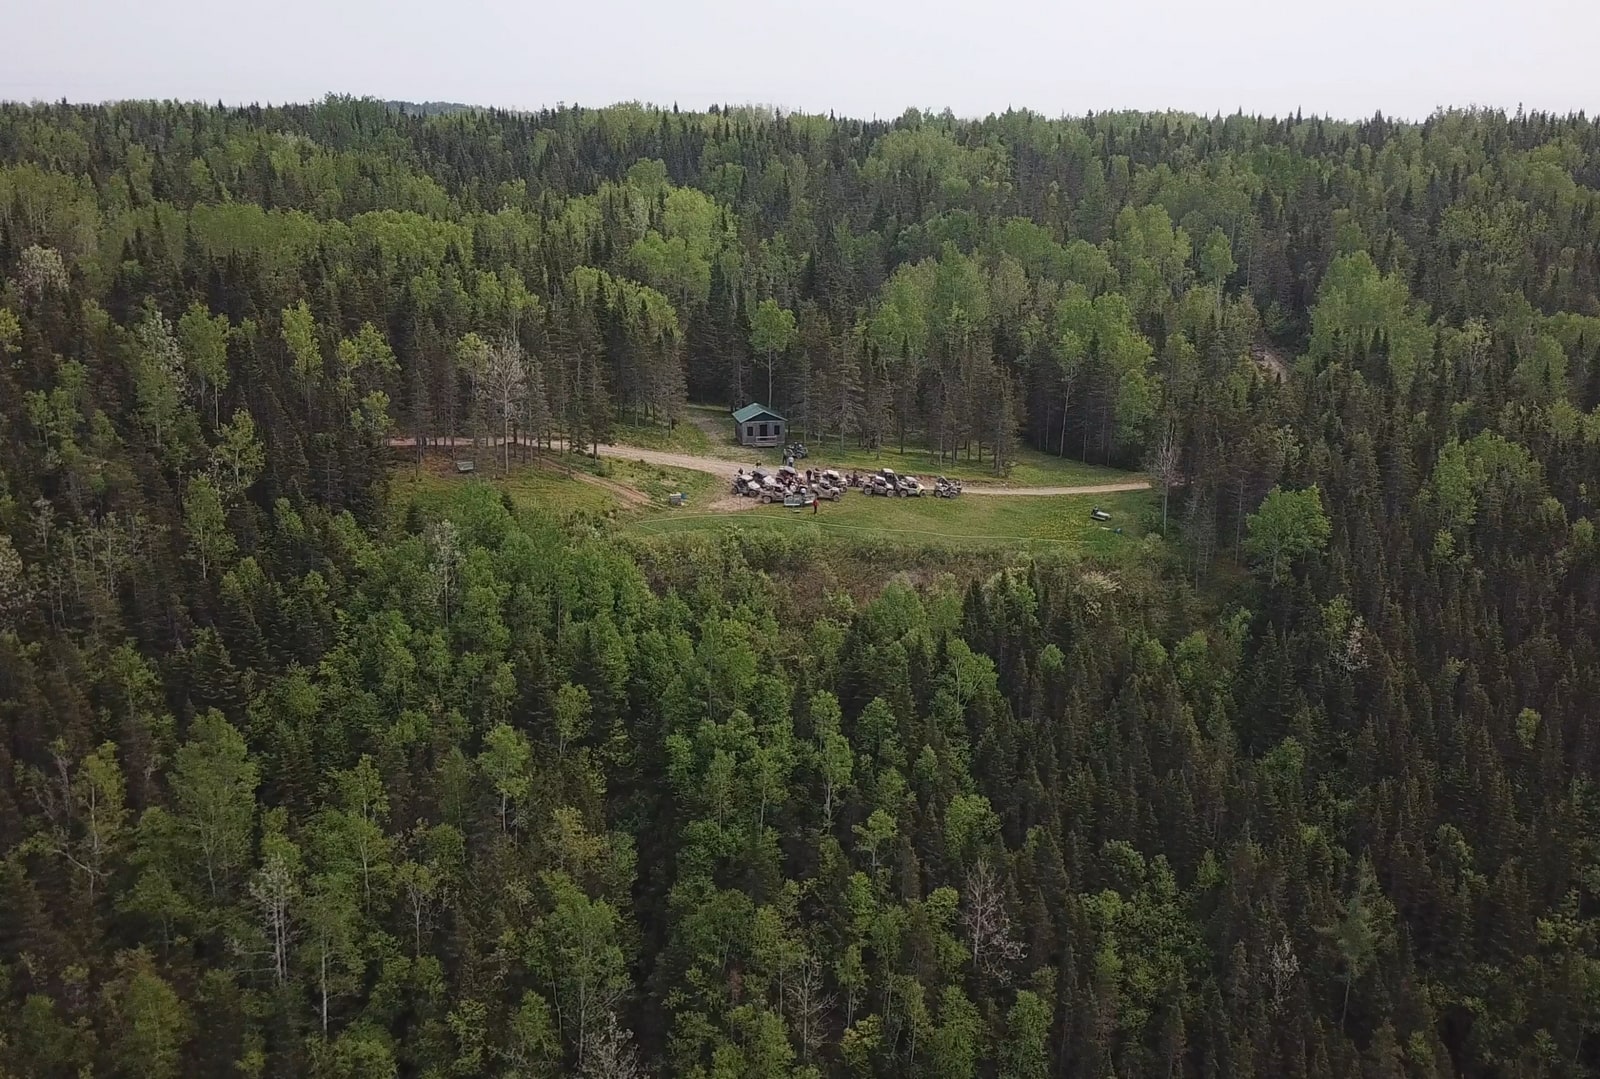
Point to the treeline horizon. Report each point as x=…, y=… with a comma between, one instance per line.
x=773, y=111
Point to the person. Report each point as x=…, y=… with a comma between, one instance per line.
x=815, y=502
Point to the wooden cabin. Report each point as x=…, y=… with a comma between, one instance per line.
x=758, y=425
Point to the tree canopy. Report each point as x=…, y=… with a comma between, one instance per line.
x=303, y=775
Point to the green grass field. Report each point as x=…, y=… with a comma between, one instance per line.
x=634, y=493
x=688, y=436
x=555, y=484
x=968, y=521
x=656, y=482
x=527, y=486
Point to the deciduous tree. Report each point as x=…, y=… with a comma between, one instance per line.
x=1289, y=524
x=772, y=332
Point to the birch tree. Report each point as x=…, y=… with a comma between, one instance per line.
x=160, y=377
x=772, y=332
x=574, y=949
x=1288, y=524
x=204, y=339
x=237, y=457
x=299, y=330
x=1364, y=928
x=331, y=948
x=213, y=785
x=86, y=812
x=205, y=522
x=273, y=890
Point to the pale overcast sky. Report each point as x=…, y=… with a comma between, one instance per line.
x=862, y=58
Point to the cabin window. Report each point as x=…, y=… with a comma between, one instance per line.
x=763, y=430
x=749, y=430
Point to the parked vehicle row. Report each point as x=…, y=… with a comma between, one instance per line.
x=789, y=485
x=785, y=482
x=887, y=483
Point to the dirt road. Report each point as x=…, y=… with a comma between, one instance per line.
x=725, y=466
x=1039, y=492
x=720, y=466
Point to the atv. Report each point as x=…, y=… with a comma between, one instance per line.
x=831, y=485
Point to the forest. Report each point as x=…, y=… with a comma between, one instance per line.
x=301, y=777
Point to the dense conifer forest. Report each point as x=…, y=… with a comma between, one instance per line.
x=300, y=778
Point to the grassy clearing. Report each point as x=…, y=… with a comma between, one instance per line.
x=612, y=488
x=527, y=485
x=656, y=482
x=687, y=436
x=1015, y=522
x=556, y=483
x=714, y=423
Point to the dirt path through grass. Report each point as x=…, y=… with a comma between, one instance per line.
x=628, y=495
x=726, y=466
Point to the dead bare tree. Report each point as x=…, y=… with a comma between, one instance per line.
x=989, y=934
x=1165, y=465
x=809, y=1005
x=273, y=889
x=421, y=889
x=444, y=551
x=41, y=271
x=503, y=382
x=611, y=1054
x=1282, y=966
x=16, y=586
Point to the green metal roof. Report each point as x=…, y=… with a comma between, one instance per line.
x=754, y=411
